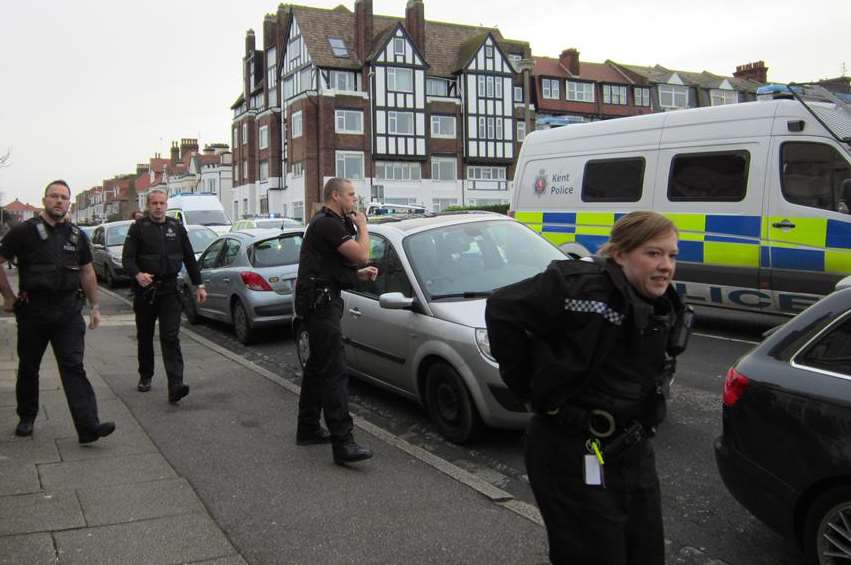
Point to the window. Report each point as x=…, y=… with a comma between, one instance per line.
x=263, y=134
x=277, y=252
x=349, y=164
x=298, y=210
x=401, y=123
x=521, y=130
x=613, y=180
x=244, y=134
x=235, y=137
x=230, y=253
x=398, y=46
x=490, y=128
x=719, y=97
x=580, y=91
x=338, y=47
x=489, y=87
x=437, y=87
x=709, y=177
x=342, y=80
x=400, y=80
x=271, y=68
x=444, y=168
x=348, y=121
x=671, y=96
x=397, y=170
x=295, y=127
x=289, y=89
x=830, y=352
x=264, y=170
x=264, y=204
x=489, y=51
x=518, y=94
x=642, y=96
x=812, y=175
x=486, y=173
x=443, y=126
x=298, y=169
x=236, y=171
x=549, y=87
x=614, y=94
x=245, y=169
x=499, y=128
x=515, y=60
x=497, y=87
x=481, y=82
x=208, y=259
x=391, y=273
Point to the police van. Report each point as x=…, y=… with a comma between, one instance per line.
x=199, y=208
x=759, y=191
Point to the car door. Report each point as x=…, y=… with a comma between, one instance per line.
x=381, y=338
x=808, y=227
x=227, y=278
x=208, y=263
x=98, y=250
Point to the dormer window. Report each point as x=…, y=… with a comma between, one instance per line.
x=338, y=47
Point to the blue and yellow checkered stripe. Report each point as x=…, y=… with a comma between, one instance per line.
x=816, y=244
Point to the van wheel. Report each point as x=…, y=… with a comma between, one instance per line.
x=302, y=345
x=241, y=324
x=190, y=309
x=828, y=527
x=450, y=405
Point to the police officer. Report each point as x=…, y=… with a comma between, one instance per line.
x=155, y=248
x=55, y=269
x=590, y=345
x=332, y=257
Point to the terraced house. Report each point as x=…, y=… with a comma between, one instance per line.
x=414, y=111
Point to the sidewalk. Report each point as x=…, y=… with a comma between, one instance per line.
x=219, y=479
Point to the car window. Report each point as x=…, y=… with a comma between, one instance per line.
x=117, y=234
x=231, y=251
x=209, y=260
x=276, y=252
x=812, y=175
x=831, y=351
x=391, y=274
x=200, y=239
x=98, y=237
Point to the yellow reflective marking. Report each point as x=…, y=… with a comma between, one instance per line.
x=595, y=218
x=691, y=236
x=557, y=238
x=837, y=261
x=733, y=254
x=811, y=232
x=688, y=222
x=529, y=217
x=593, y=230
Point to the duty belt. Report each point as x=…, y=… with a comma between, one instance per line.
x=613, y=441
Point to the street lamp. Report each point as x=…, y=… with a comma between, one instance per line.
x=526, y=66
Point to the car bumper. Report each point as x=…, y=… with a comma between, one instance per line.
x=765, y=496
x=269, y=308
x=498, y=406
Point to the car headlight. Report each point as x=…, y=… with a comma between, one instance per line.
x=484, y=343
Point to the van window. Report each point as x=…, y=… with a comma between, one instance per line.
x=812, y=175
x=709, y=177
x=613, y=180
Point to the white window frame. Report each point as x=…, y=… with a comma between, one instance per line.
x=271, y=68
x=721, y=97
x=398, y=170
x=236, y=137
x=393, y=75
x=440, y=126
x=577, y=91
x=669, y=95
x=398, y=45
x=298, y=169
x=521, y=130
x=615, y=94
x=343, y=156
x=481, y=86
x=340, y=121
x=518, y=94
x=430, y=82
x=244, y=134
x=348, y=78
x=641, y=96
x=489, y=51
x=550, y=88
x=263, y=137
x=296, y=125
x=440, y=163
x=245, y=169
x=339, y=46
x=264, y=170
x=393, y=123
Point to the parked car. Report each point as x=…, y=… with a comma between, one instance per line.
x=249, y=278
x=785, y=450
x=107, y=245
x=419, y=328
x=380, y=209
x=200, y=237
x=265, y=223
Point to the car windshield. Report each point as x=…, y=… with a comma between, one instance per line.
x=201, y=239
x=116, y=235
x=474, y=259
x=268, y=223
x=290, y=223
x=205, y=217
x=276, y=252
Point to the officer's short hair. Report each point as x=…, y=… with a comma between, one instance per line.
x=336, y=184
x=59, y=182
x=635, y=229
x=155, y=190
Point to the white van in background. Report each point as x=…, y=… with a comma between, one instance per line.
x=759, y=192
x=202, y=209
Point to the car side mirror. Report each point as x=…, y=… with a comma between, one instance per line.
x=395, y=301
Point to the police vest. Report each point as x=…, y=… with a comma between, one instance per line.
x=160, y=249
x=327, y=268
x=53, y=264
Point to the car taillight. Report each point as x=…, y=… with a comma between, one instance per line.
x=253, y=281
x=734, y=386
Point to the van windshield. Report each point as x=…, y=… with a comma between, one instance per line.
x=205, y=217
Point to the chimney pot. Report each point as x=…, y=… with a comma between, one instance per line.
x=569, y=59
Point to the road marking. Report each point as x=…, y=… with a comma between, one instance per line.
x=722, y=338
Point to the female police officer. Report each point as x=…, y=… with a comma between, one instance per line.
x=588, y=343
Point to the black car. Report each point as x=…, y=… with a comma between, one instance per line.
x=785, y=450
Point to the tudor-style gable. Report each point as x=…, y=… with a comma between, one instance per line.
x=297, y=69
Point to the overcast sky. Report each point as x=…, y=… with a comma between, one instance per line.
x=90, y=88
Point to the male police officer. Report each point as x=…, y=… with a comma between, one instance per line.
x=329, y=262
x=155, y=248
x=55, y=263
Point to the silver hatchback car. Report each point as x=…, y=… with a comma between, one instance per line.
x=419, y=328
x=249, y=278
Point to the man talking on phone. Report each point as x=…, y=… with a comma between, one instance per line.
x=333, y=258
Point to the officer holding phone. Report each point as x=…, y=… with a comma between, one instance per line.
x=333, y=258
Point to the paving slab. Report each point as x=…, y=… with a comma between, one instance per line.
x=30, y=549
x=105, y=471
x=143, y=501
x=127, y=439
x=18, y=479
x=40, y=512
x=229, y=560
x=176, y=539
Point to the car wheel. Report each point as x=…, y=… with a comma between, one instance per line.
x=241, y=324
x=190, y=309
x=450, y=405
x=302, y=345
x=828, y=528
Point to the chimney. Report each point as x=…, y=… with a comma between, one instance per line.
x=756, y=71
x=248, y=60
x=141, y=168
x=415, y=23
x=569, y=59
x=268, y=31
x=187, y=147
x=283, y=27
x=175, y=153
x=363, y=28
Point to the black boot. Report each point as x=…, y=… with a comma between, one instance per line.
x=347, y=451
x=25, y=427
x=177, y=392
x=101, y=430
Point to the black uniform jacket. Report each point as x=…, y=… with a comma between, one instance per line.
x=159, y=249
x=584, y=312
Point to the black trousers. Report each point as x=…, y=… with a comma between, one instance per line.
x=325, y=386
x=616, y=524
x=166, y=308
x=56, y=320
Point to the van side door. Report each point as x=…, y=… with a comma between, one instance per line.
x=807, y=228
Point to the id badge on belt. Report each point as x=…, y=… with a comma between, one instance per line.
x=592, y=468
